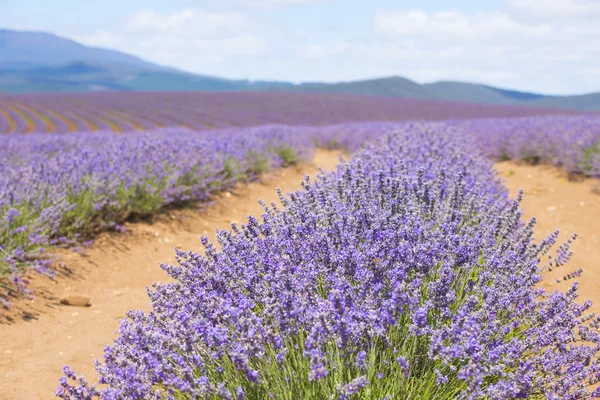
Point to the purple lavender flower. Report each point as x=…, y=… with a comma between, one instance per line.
x=404, y=365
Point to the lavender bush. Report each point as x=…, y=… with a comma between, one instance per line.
x=59, y=189
x=404, y=274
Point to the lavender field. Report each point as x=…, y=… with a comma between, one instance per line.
x=62, y=189
x=134, y=111
x=406, y=273
x=299, y=200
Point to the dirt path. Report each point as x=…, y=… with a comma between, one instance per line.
x=114, y=274
x=572, y=207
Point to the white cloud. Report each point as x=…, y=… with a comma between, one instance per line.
x=276, y=3
x=313, y=51
x=551, y=48
x=340, y=49
x=190, y=39
x=454, y=24
x=198, y=52
x=510, y=49
x=189, y=21
x=557, y=8
x=101, y=39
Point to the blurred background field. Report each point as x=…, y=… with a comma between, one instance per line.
x=134, y=111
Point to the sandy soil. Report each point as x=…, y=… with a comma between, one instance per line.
x=42, y=336
x=571, y=207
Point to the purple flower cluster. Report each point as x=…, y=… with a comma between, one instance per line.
x=407, y=273
x=60, y=189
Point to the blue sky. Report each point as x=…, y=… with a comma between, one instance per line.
x=554, y=48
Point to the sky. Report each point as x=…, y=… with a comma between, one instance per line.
x=552, y=48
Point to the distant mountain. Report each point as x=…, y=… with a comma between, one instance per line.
x=43, y=62
x=584, y=102
x=471, y=92
x=182, y=81
x=450, y=91
x=393, y=87
x=37, y=49
x=517, y=95
x=38, y=61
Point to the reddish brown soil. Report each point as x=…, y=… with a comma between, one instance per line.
x=42, y=335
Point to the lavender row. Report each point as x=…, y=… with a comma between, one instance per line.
x=571, y=142
x=407, y=273
x=62, y=189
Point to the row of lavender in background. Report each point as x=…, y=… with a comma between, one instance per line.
x=572, y=143
x=62, y=189
x=406, y=274
x=569, y=142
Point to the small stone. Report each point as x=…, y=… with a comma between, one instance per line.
x=7, y=351
x=581, y=203
x=227, y=194
x=76, y=301
x=551, y=208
